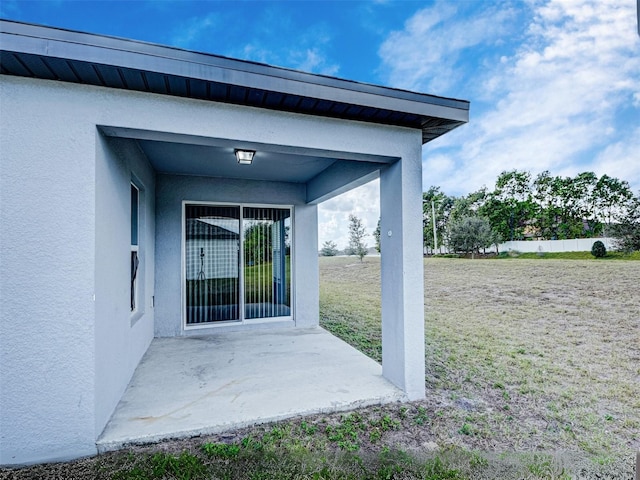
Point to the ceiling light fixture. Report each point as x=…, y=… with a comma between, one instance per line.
x=244, y=157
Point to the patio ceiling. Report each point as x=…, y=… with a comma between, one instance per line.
x=56, y=54
x=326, y=173
x=212, y=161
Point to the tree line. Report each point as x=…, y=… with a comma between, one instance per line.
x=544, y=207
x=520, y=207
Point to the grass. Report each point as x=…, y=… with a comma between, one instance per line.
x=521, y=355
x=533, y=371
x=286, y=450
x=349, y=312
x=258, y=286
x=258, y=281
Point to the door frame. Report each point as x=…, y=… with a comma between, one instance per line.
x=241, y=307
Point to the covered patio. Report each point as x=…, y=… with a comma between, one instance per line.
x=180, y=286
x=207, y=384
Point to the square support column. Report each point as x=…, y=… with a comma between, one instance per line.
x=403, y=347
x=305, y=266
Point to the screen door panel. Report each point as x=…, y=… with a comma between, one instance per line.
x=212, y=261
x=267, y=266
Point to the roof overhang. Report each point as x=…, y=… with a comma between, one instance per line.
x=56, y=54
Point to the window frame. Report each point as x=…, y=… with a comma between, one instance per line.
x=242, y=321
x=134, y=253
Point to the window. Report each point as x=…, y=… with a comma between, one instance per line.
x=135, y=222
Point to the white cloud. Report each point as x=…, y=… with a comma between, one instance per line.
x=312, y=60
x=333, y=215
x=621, y=159
x=299, y=57
x=257, y=53
x=565, y=101
x=278, y=42
x=192, y=30
x=424, y=55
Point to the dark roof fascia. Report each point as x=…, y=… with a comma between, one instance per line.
x=50, y=42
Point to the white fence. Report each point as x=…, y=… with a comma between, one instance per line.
x=547, y=246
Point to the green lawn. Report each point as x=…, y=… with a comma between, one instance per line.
x=522, y=356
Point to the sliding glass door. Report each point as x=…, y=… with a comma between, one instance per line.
x=266, y=262
x=212, y=254
x=237, y=263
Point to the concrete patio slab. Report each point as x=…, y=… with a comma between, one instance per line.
x=208, y=384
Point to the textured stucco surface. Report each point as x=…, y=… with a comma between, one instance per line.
x=121, y=338
x=402, y=274
x=65, y=358
x=47, y=246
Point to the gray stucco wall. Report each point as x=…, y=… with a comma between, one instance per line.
x=65, y=359
x=402, y=274
x=121, y=337
x=47, y=248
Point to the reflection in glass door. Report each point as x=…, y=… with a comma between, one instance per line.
x=267, y=265
x=212, y=256
x=222, y=285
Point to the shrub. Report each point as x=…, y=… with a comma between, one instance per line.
x=598, y=249
x=329, y=249
x=470, y=234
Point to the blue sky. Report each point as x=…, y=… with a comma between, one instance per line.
x=553, y=84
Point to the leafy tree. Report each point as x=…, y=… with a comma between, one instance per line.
x=443, y=206
x=609, y=195
x=329, y=249
x=258, y=247
x=567, y=225
x=499, y=215
x=551, y=207
x=468, y=206
x=470, y=234
x=582, y=188
x=545, y=200
x=577, y=207
x=357, y=233
x=627, y=229
x=579, y=216
x=376, y=236
x=510, y=207
x=560, y=201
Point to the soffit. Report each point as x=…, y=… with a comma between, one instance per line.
x=56, y=54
